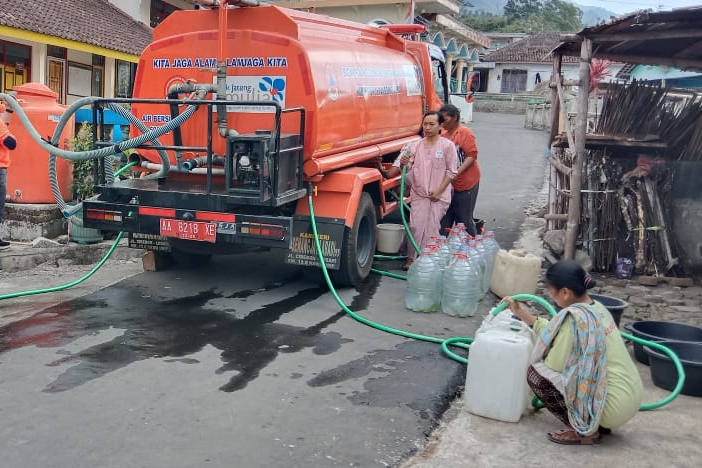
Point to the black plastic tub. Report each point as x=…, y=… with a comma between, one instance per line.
x=661, y=331
x=612, y=304
x=664, y=374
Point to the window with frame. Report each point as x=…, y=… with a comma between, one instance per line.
x=86, y=80
x=125, y=73
x=159, y=11
x=98, y=76
x=56, y=70
x=15, y=65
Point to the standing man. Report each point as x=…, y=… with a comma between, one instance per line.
x=433, y=165
x=465, y=185
x=7, y=144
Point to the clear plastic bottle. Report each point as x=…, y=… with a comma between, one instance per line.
x=487, y=256
x=461, y=229
x=423, y=292
x=444, y=253
x=454, y=240
x=479, y=261
x=493, y=247
x=461, y=288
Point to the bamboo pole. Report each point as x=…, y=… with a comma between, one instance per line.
x=573, y=223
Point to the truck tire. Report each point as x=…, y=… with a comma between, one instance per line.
x=359, y=246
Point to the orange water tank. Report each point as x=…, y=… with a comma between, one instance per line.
x=358, y=84
x=28, y=175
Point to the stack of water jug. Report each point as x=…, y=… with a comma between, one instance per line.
x=452, y=273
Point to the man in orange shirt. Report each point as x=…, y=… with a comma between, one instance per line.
x=466, y=183
x=7, y=144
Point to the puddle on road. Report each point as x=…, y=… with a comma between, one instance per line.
x=175, y=329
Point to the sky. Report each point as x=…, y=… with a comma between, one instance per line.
x=627, y=6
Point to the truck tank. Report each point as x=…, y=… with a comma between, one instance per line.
x=358, y=84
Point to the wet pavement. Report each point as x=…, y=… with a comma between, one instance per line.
x=258, y=366
x=250, y=363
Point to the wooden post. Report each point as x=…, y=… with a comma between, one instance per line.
x=573, y=224
x=555, y=102
x=555, y=119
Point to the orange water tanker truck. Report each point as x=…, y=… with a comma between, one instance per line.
x=287, y=103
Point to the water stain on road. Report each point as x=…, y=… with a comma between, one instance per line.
x=394, y=377
x=175, y=329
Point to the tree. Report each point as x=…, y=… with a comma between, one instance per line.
x=562, y=16
x=530, y=16
x=485, y=22
x=515, y=10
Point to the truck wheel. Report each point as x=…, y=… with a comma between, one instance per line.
x=359, y=246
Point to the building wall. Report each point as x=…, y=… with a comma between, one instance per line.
x=570, y=71
x=140, y=10
x=137, y=9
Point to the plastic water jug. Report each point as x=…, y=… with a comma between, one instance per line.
x=487, y=256
x=434, y=249
x=477, y=258
x=492, y=247
x=444, y=253
x=515, y=272
x=460, y=292
x=454, y=241
x=423, y=292
x=496, y=385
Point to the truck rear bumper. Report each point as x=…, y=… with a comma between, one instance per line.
x=152, y=228
x=195, y=225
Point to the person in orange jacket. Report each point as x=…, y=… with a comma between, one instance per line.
x=7, y=144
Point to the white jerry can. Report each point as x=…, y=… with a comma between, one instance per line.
x=498, y=360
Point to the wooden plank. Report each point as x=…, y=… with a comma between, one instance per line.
x=561, y=99
x=611, y=141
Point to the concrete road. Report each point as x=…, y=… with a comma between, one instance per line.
x=244, y=363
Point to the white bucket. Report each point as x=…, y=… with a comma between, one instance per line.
x=390, y=237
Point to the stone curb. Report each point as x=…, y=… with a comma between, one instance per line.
x=23, y=256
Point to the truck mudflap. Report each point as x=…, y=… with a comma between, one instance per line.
x=302, y=249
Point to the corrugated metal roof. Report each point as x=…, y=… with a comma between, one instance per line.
x=671, y=38
x=95, y=22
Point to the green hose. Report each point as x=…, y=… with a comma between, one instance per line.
x=72, y=283
x=345, y=308
x=402, y=211
x=125, y=167
x=388, y=274
x=389, y=257
x=87, y=275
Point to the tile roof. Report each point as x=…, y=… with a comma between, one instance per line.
x=535, y=48
x=95, y=22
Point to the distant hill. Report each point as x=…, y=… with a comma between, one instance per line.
x=591, y=15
